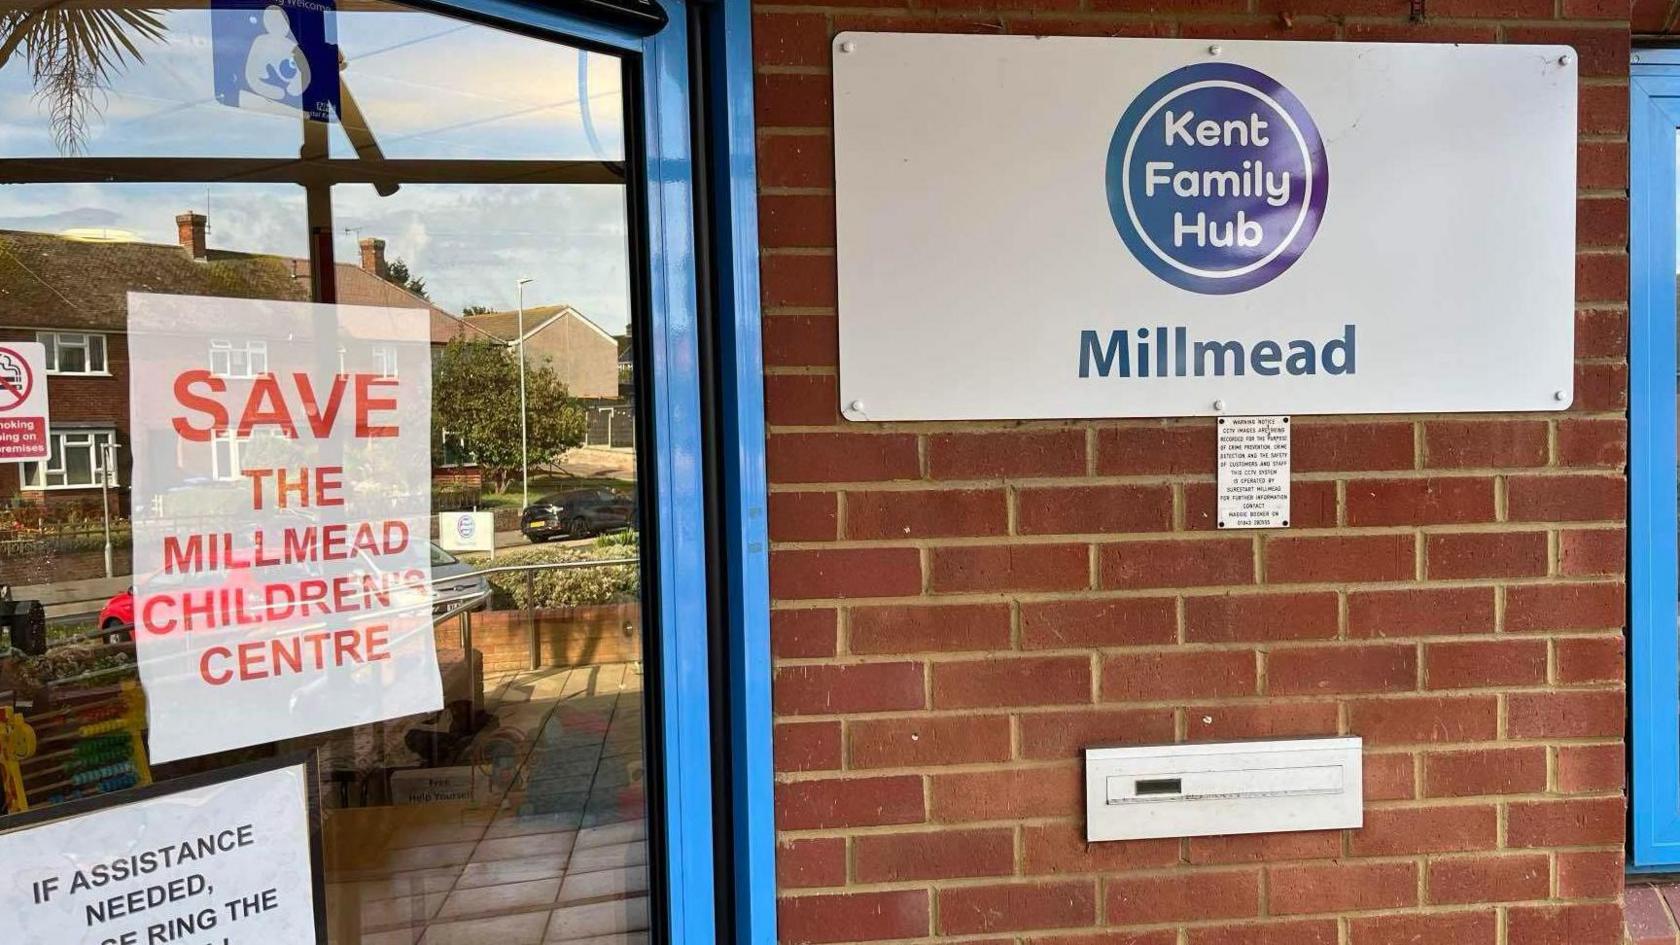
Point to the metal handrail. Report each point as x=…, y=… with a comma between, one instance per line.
x=547, y=566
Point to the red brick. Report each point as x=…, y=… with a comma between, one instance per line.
x=1590, y=874
x=802, y=400
x=1390, y=777
x=1600, y=277
x=1602, y=109
x=1229, y=618
x=1193, y=563
x=1008, y=794
x=1421, y=612
x=1124, y=621
x=820, y=861
x=1598, y=923
x=1352, y=447
x=1433, y=501
x=1273, y=719
x=1061, y=848
x=1566, y=498
x=1601, y=333
x=1424, y=719
x=795, y=160
x=1341, y=558
x=800, y=340
x=935, y=740
x=1601, y=51
x=1268, y=29
x=1012, y=567
x=1312, y=504
x=1012, y=681
x=1508, y=878
x=860, y=687
x=1078, y=510
x=1178, y=675
x=1339, y=887
x=1056, y=735
x=807, y=746
x=803, y=516
x=1595, y=9
x=1182, y=896
x=852, y=917
x=845, y=572
x=913, y=628
x=1418, y=32
x=1602, y=222
x=1304, y=932
x=802, y=634
x=1586, y=768
x=1543, y=715
x=1478, y=664
x=802, y=280
x=1577, y=822
x=1573, y=606
x=841, y=457
x=1479, y=927
x=1591, y=660
x=1494, y=9
x=1174, y=449
x=1600, y=387
x=1602, y=165
x=849, y=802
x=940, y=854
x=1592, y=551
x=1012, y=907
x=1593, y=442
x=802, y=101
x=1405, y=831
x=1267, y=847
x=789, y=39
x=933, y=513
x=1485, y=771
x=796, y=220
x=1110, y=937
x=1484, y=444
x=1485, y=554
x=1003, y=455
x=1341, y=668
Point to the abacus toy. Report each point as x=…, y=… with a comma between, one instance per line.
x=83, y=750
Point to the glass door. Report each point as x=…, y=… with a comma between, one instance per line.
x=368, y=338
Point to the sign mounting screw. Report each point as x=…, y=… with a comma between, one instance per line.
x=1563, y=60
x=1558, y=395
x=848, y=46
x=855, y=406
x=1219, y=405
x=1215, y=50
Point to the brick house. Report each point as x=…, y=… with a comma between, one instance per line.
x=583, y=354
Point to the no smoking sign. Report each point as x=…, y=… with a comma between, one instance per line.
x=23, y=401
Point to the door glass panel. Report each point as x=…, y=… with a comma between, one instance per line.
x=470, y=185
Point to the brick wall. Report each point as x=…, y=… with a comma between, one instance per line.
x=958, y=608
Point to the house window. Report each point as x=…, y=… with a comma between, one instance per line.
x=71, y=352
x=238, y=358
x=229, y=452
x=77, y=461
x=385, y=360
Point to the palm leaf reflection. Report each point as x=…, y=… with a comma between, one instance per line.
x=74, y=52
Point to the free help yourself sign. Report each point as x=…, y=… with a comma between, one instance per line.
x=1065, y=227
x=282, y=492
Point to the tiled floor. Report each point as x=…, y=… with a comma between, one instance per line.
x=555, y=851
x=1650, y=914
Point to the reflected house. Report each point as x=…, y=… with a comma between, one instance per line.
x=582, y=354
x=69, y=291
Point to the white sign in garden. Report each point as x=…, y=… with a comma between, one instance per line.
x=1049, y=227
x=282, y=508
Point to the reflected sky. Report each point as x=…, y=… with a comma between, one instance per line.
x=429, y=87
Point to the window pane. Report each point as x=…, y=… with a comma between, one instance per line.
x=72, y=359
x=78, y=461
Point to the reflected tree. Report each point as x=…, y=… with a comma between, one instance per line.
x=73, y=53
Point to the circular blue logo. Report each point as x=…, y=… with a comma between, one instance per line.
x=1217, y=178
x=465, y=526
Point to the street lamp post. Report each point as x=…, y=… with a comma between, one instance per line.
x=524, y=458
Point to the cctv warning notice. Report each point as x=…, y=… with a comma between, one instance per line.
x=282, y=499
x=228, y=863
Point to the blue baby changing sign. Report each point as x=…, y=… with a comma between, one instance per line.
x=277, y=56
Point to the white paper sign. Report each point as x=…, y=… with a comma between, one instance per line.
x=1054, y=227
x=282, y=493
x=228, y=863
x=23, y=401
x=1253, y=472
x=467, y=531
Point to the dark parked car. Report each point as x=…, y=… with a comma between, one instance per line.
x=577, y=514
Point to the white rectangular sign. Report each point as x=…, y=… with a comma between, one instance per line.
x=282, y=506
x=228, y=863
x=1253, y=472
x=23, y=402
x=466, y=531
x=1048, y=227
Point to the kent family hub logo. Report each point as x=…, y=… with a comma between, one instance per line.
x=1217, y=178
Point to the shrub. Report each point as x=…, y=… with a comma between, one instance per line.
x=574, y=587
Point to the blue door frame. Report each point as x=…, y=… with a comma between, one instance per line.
x=696, y=881
x=1654, y=648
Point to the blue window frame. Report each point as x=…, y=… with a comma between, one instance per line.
x=714, y=765
x=1654, y=650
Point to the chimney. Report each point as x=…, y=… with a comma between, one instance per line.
x=373, y=256
x=189, y=231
